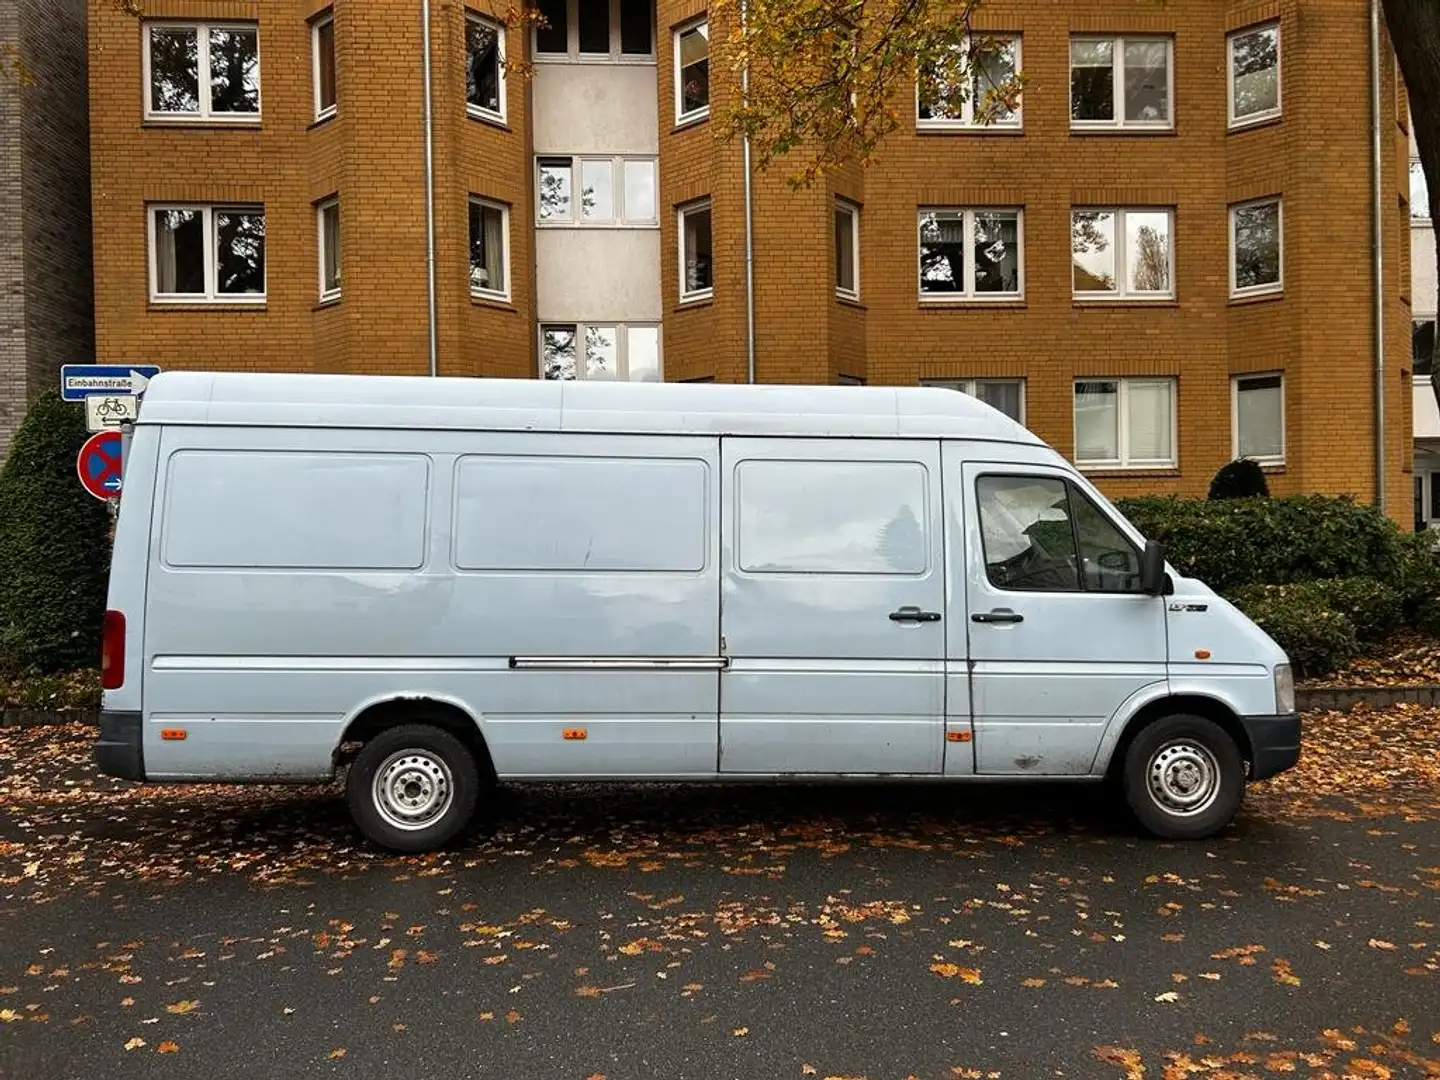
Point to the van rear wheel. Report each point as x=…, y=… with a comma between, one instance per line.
x=1184, y=778
x=413, y=788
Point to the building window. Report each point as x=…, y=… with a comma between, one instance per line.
x=1254, y=58
x=697, y=277
x=1125, y=423
x=322, y=52
x=971, y=254
x=489, y=249
x=623, y=353
x=207, y=254
x=1258, y=408
x=484, y=68
x=1422, y=351
x=944, y=104
x=1419, y=192
x=1120, y=83
x=1257, y=243
x=327, y=220
x=847, y=250
x=692, y=73
x=1121, y=254
x=596, y=30
x=1007, y=395
x=613, y=191
x=202, y=72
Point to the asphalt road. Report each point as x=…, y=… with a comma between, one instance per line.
x=878, y=932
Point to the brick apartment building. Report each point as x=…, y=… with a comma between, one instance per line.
x=1143, y=263
x=45, y=293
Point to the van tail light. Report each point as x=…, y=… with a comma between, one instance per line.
x=112, y=651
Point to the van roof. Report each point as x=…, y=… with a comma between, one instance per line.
x=235, y=399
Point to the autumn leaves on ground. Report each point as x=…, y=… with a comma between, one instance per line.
x=714, y=932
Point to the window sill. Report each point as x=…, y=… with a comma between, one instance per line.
x=1128, y=129
x=685, y=123
x=691, y=303
x=320, y=121
x=495, y=303
x=489, y=120
x=1269, y=120
x=1123, y=471
x=328, y=302
x=923, y=128
x=1088, y=303
x=596, y=59
x=1268, y=296
x=206, y=123
x=210, y=307
x=1007, y=303
x=850, y=302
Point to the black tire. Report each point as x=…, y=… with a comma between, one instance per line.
x=427, y=794
x=1179, y=751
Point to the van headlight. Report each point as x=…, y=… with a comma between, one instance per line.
x=1284, y=689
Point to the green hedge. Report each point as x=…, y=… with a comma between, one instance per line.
x=1317, y=638
x=54, y=546
x=1231, y=543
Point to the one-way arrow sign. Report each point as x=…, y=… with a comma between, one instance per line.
x=79, y=381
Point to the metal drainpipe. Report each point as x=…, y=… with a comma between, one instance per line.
x=749, y=214
x=1377, y=211
x=429, y=190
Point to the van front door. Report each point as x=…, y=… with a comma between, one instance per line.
x=832, y=606
x=1060, y=634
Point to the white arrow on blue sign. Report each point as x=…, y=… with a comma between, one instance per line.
x=79, y=381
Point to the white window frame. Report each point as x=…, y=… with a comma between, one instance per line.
x=619, y=214
x=694, y=116
x=970, y=386
x=968, y=295
x=1121, y=292
x=1117, y=54
x=966, y=121
x=572, y=53
x=622, y=346
x=211, y=296
x=479, y=113
x=1269, y=289
x=680, y=213
x=322, y=112
x=478, y=291
x=1235, y=390
x=1240, y=122
x=845, y=206
x=202, y=46
x=333, y=202
x=1125, y=462
x=1419, y=212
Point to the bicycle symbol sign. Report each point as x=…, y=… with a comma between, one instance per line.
x=105, y=411
x=99, y=464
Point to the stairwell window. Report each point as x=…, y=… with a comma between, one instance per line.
x=1258, y=407
x=484, y=68
x=692, y=72
x=1125, y=423
x=596, y=31
x=489, y=249
x=322, y=59
x=207, y=254
x=1254, y=63
x=202, y=71
x=600, y=352
x=847, y=250
x=697, y=278
x=1257, y=244
x=327, y=219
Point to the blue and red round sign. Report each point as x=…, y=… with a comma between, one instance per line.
x=99, y=464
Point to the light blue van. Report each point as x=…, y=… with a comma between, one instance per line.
x=437, y=584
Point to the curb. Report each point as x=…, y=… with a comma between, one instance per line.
x=42, y=717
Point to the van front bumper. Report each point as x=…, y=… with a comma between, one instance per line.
x=1274, y=743
x=120, y=750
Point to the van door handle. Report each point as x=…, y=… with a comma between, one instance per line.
x=999, y=615
x=914, y=614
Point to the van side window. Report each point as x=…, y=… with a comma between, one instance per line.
x=1026, y=530
x=1042, y=534
x=832, y=517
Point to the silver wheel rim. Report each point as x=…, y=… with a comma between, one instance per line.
x=412, y=789
x=1183, y=778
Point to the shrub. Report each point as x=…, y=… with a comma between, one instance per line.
x=54, y=554
x=1317, y=638
x=1417, y=578
x=1373, y=607
x=1230, y=543
x=1240, y=479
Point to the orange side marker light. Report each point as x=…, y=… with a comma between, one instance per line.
x=957, y=736
x=173, y=734
x=574, y=733
x=1202, y=654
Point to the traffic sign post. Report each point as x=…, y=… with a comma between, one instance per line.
x=99, y=464
x=81, y=381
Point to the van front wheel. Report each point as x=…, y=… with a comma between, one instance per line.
x=413, y=788
x=1184, y=778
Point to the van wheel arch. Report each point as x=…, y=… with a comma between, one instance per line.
x=396, y=712
x=1192, y=704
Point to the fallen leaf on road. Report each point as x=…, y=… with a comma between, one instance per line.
x=1167, y=997
x=950, y=971
x=740, y=1033
x=337, y=1053
x=512, y=1017
x=1129, y=1060
x=125, y=1003
x=8, y=1016
x=180, y=1008
x=134, y=1044
x=487, y=1016
x=1283, y=973
x=1376, y=943
x=1032, y=982
x=808, y=1070
x=168, y=1047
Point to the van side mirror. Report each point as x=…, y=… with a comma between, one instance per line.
x=1152, y=569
